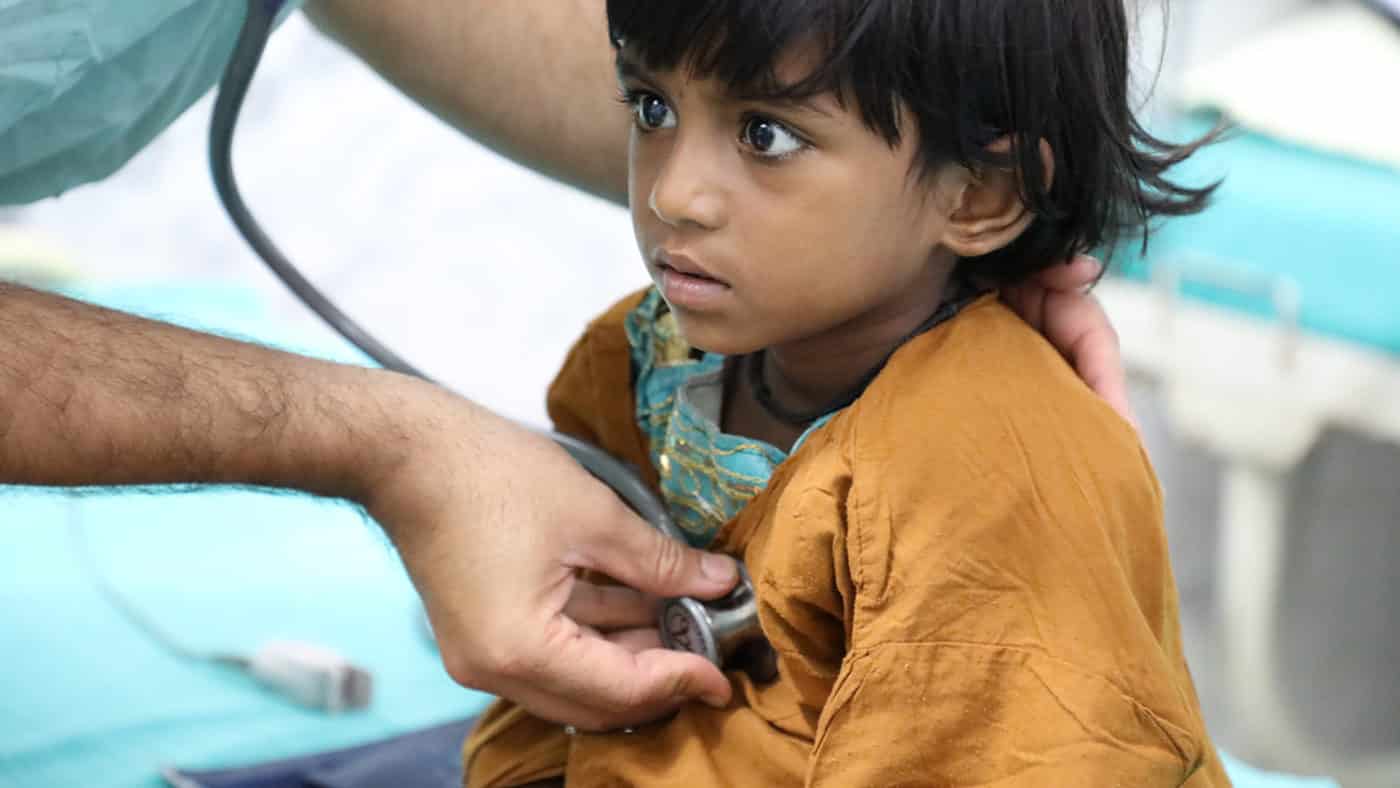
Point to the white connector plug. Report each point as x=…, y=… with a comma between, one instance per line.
x=311, y=675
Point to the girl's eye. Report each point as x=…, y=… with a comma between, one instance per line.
x=651, y=111
x=769, y=138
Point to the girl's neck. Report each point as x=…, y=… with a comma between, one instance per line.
x=744, y=415
x=811, y=374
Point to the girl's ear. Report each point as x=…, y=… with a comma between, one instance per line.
x=989, y=213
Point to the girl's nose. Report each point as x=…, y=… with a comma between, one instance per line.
x=687, y=188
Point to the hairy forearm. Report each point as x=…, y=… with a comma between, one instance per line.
x=90, y=396
x=530, y=78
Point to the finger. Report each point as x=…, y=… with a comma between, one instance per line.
x=1078, y=325
x=610, y=607
x=596, y=684
x=634, y=553
x=638, y=639
x=1073, y=277
x=1027, y=299
x=1099, y=361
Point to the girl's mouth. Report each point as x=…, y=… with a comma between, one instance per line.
x=690, y=289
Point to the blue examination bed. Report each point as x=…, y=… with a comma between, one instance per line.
x=1328, y=224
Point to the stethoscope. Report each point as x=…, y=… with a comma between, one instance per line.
x=718, y=630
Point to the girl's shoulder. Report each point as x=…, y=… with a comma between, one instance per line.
x=987, y=382
x=982, y=423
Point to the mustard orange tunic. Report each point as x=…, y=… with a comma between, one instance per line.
x=964, y=576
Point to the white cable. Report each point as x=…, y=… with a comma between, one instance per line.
x=308, y=674
x=312, y=675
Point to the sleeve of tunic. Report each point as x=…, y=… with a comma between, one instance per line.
x=1012, y=618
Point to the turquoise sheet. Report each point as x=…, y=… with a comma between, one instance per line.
x=86, y=699
x=1329, y=223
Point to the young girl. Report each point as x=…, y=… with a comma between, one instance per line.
x=957, y=549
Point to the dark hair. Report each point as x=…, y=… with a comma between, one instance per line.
x=971, y=72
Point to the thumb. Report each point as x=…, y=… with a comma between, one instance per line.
x=627, y=549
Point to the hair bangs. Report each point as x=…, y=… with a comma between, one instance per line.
x=740, y=43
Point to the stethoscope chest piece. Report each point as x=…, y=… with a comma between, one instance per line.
x=716, y=630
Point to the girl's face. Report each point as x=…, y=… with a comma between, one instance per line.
x=779, y=225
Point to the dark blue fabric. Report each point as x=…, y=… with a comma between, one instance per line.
x=430, y=758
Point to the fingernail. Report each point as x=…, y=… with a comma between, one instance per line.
x=718, y=568
x=714, y=701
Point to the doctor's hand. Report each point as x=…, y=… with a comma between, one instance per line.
x=1058, y=304
x=493, y=521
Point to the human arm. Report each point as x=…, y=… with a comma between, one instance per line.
x=531, y=79
x=1006, y=685
x=588, y=399
x=490, y=519
x=981, y=714
x=1012, y=610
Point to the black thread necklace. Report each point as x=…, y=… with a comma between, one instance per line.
x=794, y=418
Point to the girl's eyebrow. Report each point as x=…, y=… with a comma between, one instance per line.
x=630, y=68
x=798, y=103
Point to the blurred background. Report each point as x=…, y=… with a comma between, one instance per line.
x=1262, y=339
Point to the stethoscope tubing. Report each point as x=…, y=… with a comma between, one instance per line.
x=233, y=88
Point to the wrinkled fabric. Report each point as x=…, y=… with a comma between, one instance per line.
x=86, y=84
x=964, y=575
